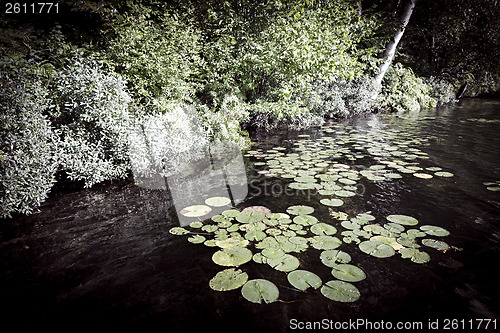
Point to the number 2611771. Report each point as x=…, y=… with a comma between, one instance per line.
x=31, y=8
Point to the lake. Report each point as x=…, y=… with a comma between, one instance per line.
x=105, y=258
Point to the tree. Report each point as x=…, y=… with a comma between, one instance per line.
x=390, y=49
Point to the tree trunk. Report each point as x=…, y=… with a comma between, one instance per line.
x=390, y=49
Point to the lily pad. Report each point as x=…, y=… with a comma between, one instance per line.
x=325, y=242
x=347, y=272
x=286, y=263
x=305, y=220
x=196, y=239
x=376, y=249
x=250, y=216
x=388, y=240
x=233, y=256
x=345, y=193
x=196, y=225
x=302, y=279
x=178, y=231
x=255, y=235
x=332, y=202
x=260, y=290
x=228, y=279
x=232, y=242
x=415, y=255
x=443, y=174
x=195, y=211
x=231, y=213
x=331, y=258
x=434, y=230
x=422, y=175
x=436, y=244
x=323, y=229
x=402, y=219
x=218, y=201
x=300, y=210
x=340, y=291
x=271, y=252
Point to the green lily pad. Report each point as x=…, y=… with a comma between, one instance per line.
x=178, y=231
x=376, y=249
x=415, y=255
x=255, y=235
x=298, y=240
x=209, y=228
x=323, y=229
x=394, y=227
x=347, y=272
x=286, y=263
x=303, y=280
x=195, y=211
x=250, y=216
x=233, y=256
x=218, y=201
x=422, y=175
x=434, y=230
x=228, y=279
x=210, y=243
x=408, y=242
x=340, y=291
x=402, y=219
x=444, y=174
x=325, y=242
x=350, y=225
x=231, y=242
x=345, y=193
x=271, y=252
x=436, y=244
x=331, y=258
x=196, y=225
x=300, y=210
x=231, y=213
x=196, y=239
x=260, y=290
x=332, y=202
x=305, y=220
x=387, y=240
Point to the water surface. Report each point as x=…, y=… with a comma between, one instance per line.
x=103, y=257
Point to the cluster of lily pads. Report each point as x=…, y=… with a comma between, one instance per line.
x=277, y=238
x=492, y=186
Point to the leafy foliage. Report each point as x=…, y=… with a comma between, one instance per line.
x=28, y=144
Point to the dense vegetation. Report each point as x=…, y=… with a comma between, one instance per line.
x=81, y=87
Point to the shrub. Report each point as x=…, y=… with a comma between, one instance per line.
x=91, y=110
x=28, y=145
x=441, y=90
x=403, y=91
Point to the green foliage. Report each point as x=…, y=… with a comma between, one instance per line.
x=28, y=145
x=403, y=91
x=91, y=110
x=156, y=59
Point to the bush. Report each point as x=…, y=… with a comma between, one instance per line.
x=403, y=91
x=91, y=110
x=28, y=145
x=441, y=90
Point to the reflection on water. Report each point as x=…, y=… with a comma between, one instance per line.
x=103, y=257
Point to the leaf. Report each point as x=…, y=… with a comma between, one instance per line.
x=387, y=240
x=305, y=220
x=255, y=235
x=332, y=202
x=260, y=290
x=303, y=280
x=325, y=242
x=286, y=263
x=195, y=211
x=402, y=219
x=300, y=210
x=434, y=230
x=444, y=174
x=273, y=253
x=178, y=231
x=218, y=201
x=345, y=193
x=234, y=256
x=331, y=258
x=323, y=229
x=250, y=216
x=415, y=255
x=347, y=272
x=340, y=291
x=436, y=244
x=196, y=239
x=376, y=249
x=228, y=279
x=231, y=242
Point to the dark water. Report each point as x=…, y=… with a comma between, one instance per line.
x=103, y=259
